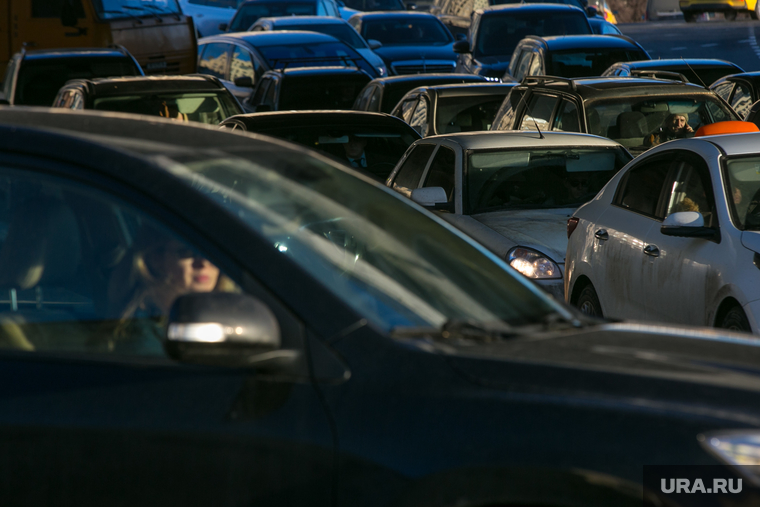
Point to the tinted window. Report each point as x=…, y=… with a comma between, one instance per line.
x=567, y=118
x=202, y=107
x=340, y=31
x=223, y=4
x=321, y=92
x=314, y=55
x=587, y=62
x=419, y=121
x=466, y=114
x=407, y=108
x=249, y=13
x=376, y=5
x=406, y=30
x=742, y=99
x=409, y=176
x=258, y=96
x=724, y=90
x=442, y=171
x=642, y=187
x=539, y=112
x=214, y=60
x=691, y=191
x=242, y=65
x=744, y=192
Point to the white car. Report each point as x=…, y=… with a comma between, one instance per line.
x=209, y=14
x=674, y=237
x=511, y=191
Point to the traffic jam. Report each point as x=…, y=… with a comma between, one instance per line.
x=377, y=253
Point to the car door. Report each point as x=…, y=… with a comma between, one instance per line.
x=619, y=261
x=408, y=176
x=682, y=277
x=92, y=411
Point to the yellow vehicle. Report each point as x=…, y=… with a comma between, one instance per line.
x=156, y=32
x=693, y=8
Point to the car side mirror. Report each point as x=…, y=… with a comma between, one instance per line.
x=223, y=27
x=461, y=47
x=591, y=11
x=244, y=82
x=686, y=224
x=374, y=44
x=429, y=196
x=224, y=329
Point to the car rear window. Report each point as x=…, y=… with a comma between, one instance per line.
x=406, y=30
x=314, y=55
x=206, y=107
x=321, y=92
x=248, y=14
x=466, y=114
x=588, y=62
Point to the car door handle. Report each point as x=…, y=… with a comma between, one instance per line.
x=652, y=251
x=601, y=234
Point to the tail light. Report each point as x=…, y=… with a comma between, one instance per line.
x=572, y=223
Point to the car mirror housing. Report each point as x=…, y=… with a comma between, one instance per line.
x=686, y=224
x=430, y=196
x=461, y=47
x=374, y=44
x=223, y=328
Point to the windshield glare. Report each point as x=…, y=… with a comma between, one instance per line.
x=394, y=265
x=207, y=108
x=539, y=179
x=744, y=192
x=112, y=9
x=406, y=31
x=499, y=34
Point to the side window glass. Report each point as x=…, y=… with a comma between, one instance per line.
x=8, y=79
x=535, y=66
x=363, y=99
x=258, y=96
x=419, y=121
x=242, y=65
x=63, y=99
x=409, y=176
x=691, y=191
x=407, y=108
x=269, y=98
x=442, y=171
x=77, y=100
x=523, y=65
x=567, y=118
x=213, y=60
x=642, y=187
x=505, y=118
x=724, y=90
x=80, y=271
x=374, y=100
x=741, y=100
x=539, y=112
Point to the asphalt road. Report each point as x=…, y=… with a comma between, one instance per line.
x=736, y=42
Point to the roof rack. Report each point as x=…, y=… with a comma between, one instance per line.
x=539, y=80
x=314, y=59
x=659, y=74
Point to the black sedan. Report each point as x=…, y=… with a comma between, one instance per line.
x=412, y=42
x=330, y=344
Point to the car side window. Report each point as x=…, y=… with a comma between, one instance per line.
x=8, y=78
x=535, y=66
x=362, y=100
x=506, y=116
x=442, y=171
x=419, y=120
x=270, y=96
x=691, y=190
x=539, y=112
x=407, y=108
x=242, y=65
x=82, y=271
x=213, y=60
x=373, y=104
x=523, y=65
x=741, y=100
x=724, y=90
x=642, y=187
x=409, y=175
x=567, y=118
x=257, y=96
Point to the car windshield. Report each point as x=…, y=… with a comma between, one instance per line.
x=632, y=121
x=375, y=5
x=340, y=31
x=588, y=62
x=321, y=91
x=39, y=80
x=466, y=114
x=206, y=107
x=319, y=54
x=249, y=13
x=498, y=34
x=406, y=31
x=538, y=178
x=114, y=9
x=743, y=175
x=393, y=264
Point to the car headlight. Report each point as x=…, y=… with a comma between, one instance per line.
x=533, y=264
x=494, y=79
x=736, y=448
x=382, y=70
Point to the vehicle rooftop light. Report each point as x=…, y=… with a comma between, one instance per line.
x=726, y=127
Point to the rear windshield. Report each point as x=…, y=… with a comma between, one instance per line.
x=467, y=114
x=248, y=14
x=39, y=80
x=588, y=62
x=632, y=121
x=338, y=30
x=210, y=108
x=315, y=55
x=406, y=30
x=498, y=34
x=318, y=92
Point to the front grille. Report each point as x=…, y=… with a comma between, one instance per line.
x=422, y=67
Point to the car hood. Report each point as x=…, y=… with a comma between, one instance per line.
x=649, y=366
x=541, y=229
x=396, y=53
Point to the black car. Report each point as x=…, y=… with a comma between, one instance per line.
x=626, y=110
x=378, y=5
x=199, y=98
x=740, y=90
x=250, y=11
x=239, y=60
x=412, y=42
x=34, y=77
x=307, y=88
x=571, y=55
x=496, y=31
x=447, y=109
x=382, y=94
x=387, y=137
x=361, y=351
x=701, y=71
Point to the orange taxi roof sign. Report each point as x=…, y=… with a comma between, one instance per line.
x=726, y=127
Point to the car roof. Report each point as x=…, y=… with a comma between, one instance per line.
x=145, y=84
x=41, y=54
x=321, y=71
x=678, y=63
x=560, y=42
x=469, y=89
x=273, y=38
x=611, y=86
x=498, y=9
x=734, y=144
x=318, y=117
x=522, y=139
x=303, y=20
x=427, y=78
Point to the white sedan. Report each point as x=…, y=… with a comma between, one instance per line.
x=674, y=237
x=511, y=191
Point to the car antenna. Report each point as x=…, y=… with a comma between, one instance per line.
x=541, y=136
x=522, y=101
x=700, y=79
